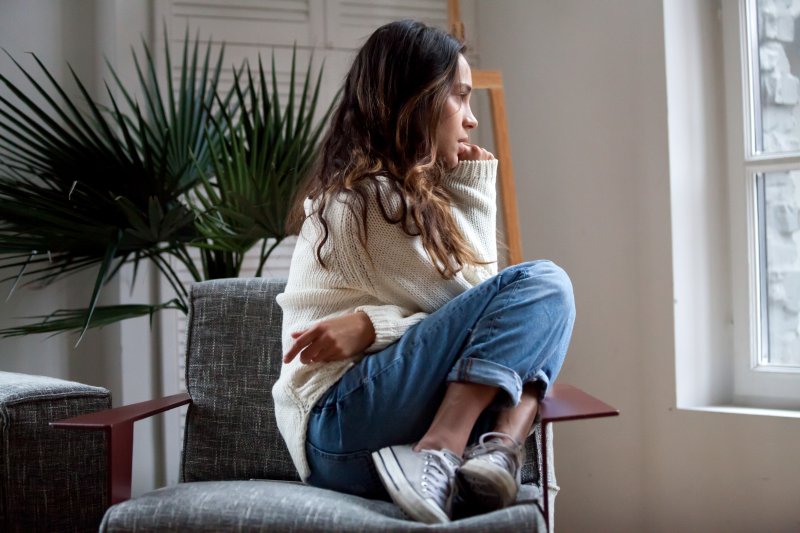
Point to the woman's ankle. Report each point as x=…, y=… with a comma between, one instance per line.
x=435, y=442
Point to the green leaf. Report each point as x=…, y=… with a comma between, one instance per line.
x=64, y=320
x=99, y=282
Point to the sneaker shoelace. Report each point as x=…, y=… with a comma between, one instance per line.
x=437, y=475
x=492, y=447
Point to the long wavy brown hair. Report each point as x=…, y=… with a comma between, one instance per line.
x=381, y=144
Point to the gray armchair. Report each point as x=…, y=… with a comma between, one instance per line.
x=236, y=473
x=49, y=483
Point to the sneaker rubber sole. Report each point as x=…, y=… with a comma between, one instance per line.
x=487, y=485
x=401, y=491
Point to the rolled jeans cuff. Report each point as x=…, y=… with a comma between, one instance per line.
x=471, y=370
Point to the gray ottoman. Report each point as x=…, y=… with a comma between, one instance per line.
x=53, y=480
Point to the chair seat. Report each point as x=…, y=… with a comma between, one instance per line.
x=278, y=506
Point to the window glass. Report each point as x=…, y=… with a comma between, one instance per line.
x=779, y=265
x=776, y=87
x=774, y=40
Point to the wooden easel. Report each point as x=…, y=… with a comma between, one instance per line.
x=492, y=80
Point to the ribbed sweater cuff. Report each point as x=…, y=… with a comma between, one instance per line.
x=386, y=322
x=476, y=174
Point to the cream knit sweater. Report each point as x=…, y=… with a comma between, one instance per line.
x=397, y=288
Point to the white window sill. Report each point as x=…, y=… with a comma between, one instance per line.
x=740, y=410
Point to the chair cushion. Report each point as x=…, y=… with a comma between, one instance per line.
x=53, y=480
x=277, y=506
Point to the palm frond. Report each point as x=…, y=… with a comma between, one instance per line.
x=266, y=150
x=66, y=320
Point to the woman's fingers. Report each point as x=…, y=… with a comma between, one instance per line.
x=311, y=353
x=302, y=339
x=332, y=339
x=473, y=152
x=313, y=345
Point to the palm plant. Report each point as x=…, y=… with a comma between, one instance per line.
x=262, y=157
x=84, y=185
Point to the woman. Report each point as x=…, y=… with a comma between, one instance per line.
x=402, y=343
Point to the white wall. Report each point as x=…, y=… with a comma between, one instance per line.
x=586, y=93
x=119, y=357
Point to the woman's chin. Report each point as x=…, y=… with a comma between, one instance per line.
x=450, y=162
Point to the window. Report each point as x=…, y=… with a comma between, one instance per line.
x=775, y=134
x=733, y=101
x=762, y=51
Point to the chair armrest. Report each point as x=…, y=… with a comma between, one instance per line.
x=118, y=425
x=567, y=402
x=108, y=418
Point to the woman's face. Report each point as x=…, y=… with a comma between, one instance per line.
x=456, y=119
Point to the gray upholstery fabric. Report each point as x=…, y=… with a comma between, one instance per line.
x=276, y=506
x=233, y=358
x=532, y=470
x=533, y=466
x=53, y=480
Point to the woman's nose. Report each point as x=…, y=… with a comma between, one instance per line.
x=470, y=121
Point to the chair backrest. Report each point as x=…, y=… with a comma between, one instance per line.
x=233, y=357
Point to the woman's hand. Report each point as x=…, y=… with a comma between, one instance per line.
x=472, y=152
x=332, y=340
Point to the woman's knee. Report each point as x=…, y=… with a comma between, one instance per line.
x=554, y=281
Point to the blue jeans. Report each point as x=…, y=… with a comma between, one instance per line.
x=510, y=330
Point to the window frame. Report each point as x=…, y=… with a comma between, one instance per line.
x=754, y=383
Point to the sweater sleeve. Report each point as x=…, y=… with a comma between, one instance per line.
x=390, y=322
x=472, y=186
x=390, y=270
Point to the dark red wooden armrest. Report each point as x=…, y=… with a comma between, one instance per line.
x=566, y=402
x=118, y=425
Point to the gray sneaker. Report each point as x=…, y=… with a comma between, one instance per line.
x=420, y=483
x=490, y=476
